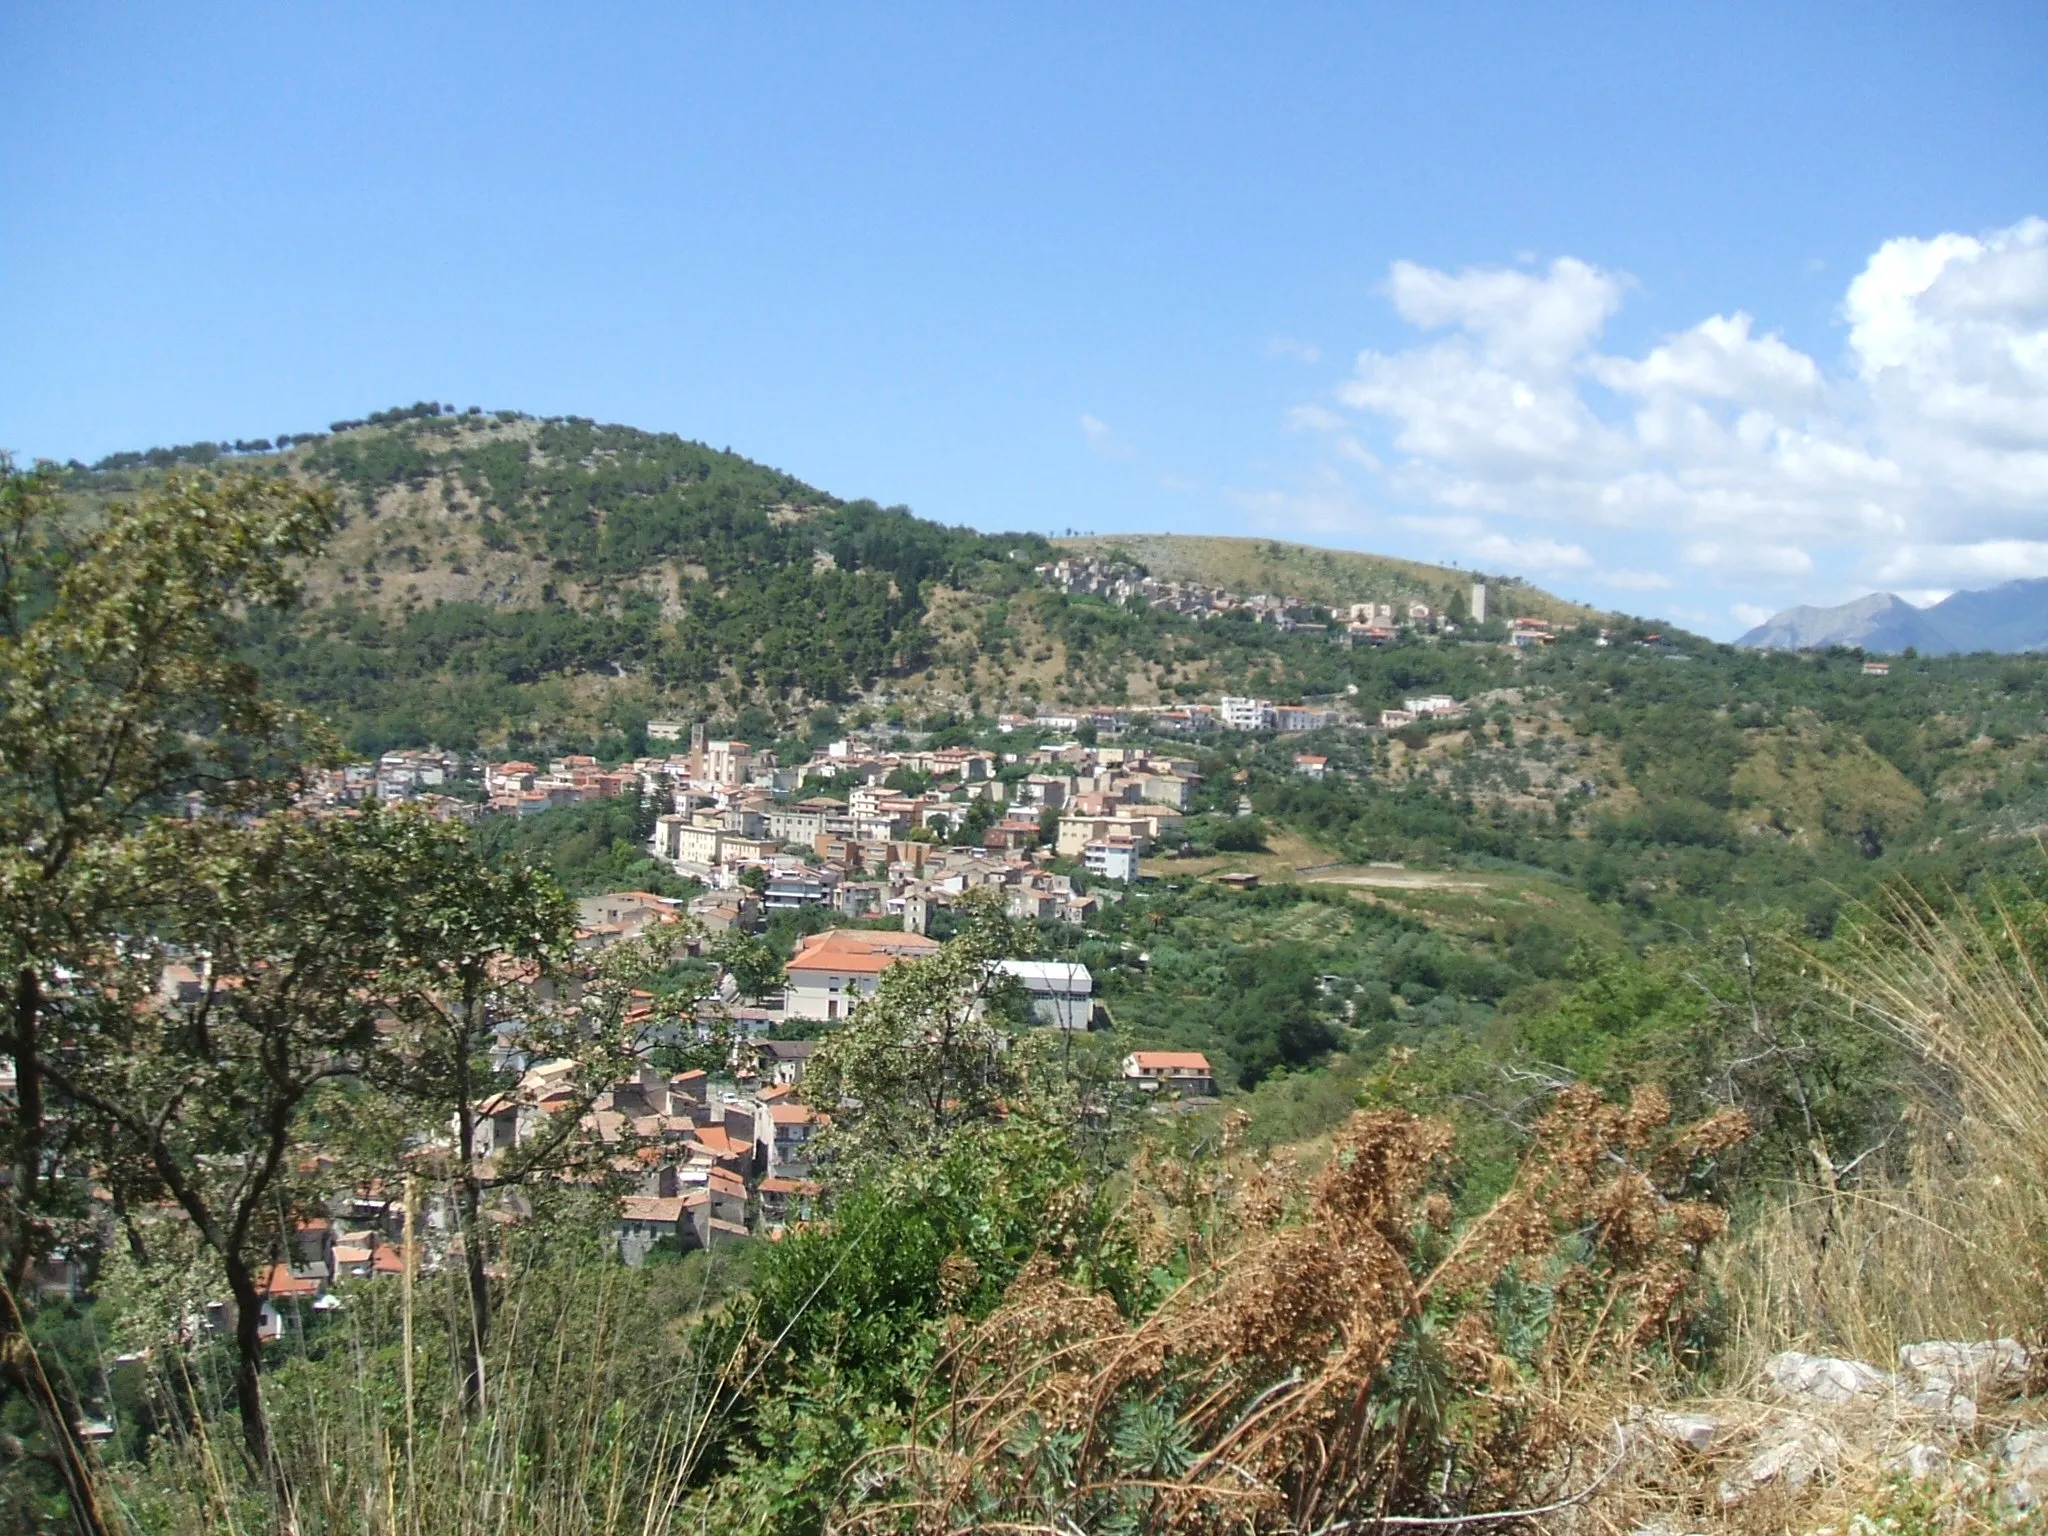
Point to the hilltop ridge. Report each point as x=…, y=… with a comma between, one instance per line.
x=1319, y=575
x=496, y=576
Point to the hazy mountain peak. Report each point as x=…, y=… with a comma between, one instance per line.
x=2012, y=616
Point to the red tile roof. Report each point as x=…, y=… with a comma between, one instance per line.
x=856, y=952
x=280, y=1281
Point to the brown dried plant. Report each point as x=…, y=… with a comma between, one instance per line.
x=1352, y=1358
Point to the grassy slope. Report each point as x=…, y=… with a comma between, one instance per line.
x=1321, y=575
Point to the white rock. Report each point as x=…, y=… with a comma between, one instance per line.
x=1951, y=1407
x=1919, y=1461
x=1975, y=1370
x=1694, y=1431
x=2023, y=1468
x=1801, y=1452
x=1826, y=1378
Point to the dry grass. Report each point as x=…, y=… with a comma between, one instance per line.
x=593, y=1425
x=1944, y=1234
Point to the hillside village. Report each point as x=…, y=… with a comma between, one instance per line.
x=1364, y=623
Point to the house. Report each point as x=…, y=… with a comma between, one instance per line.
x=681, y=842
x=782, y=1134
x=1310, y=766
x=1297, y=717
x=280, y=1286
x=1240, y=714
x=646, y=1220
x=1061, y=991
x=1435, y=706
x=602, y=920
x=792, y=888
x=1112, y=858
x=1184, y=1072
x=1877, y=669
x=782, y=1061
x=834, y=970
x=719, y=911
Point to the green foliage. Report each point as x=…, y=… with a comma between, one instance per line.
x=591, y=848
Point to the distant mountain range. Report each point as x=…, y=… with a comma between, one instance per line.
x=2010, y=617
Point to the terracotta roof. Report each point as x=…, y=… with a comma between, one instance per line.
x=856, y=952
x=791, y=1114
x=280, y=1281
x=1172, y=1061
x=661, y=1209
x=790, y=1187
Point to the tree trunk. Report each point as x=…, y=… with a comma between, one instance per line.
x=249, y=1369
x=19, y=1363
x=26, y=1046
x=469, y=1196
x=479, y=1295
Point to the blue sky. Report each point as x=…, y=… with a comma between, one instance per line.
x=1697, y=311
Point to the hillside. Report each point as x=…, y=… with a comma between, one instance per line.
x=503, y=580
x=1326, y=576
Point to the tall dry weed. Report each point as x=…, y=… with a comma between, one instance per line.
x=1350, y=1356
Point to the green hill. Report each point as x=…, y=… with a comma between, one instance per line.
x=505, y=580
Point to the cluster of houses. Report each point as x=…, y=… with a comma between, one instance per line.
x=905, y=831
x=694, y=1160
x=1369, y=623
x=1431, y=706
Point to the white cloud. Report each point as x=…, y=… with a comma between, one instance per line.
x=1626, y=580
x=1102, y=440
x=1474, y=543
x=1966, y=565
x=1542, y=322
x=1315, y=418
x=1748, y=559
x=1749, y=615
x=1293, y=349
x=1923, y=459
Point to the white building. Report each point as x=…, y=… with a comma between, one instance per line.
x=1478, y=602
x=1245, y=714
x=679, y=841
x=833, y=971
x=1060, y=990
x=1180, y=1071
x=1433, y=706
x=1112, y=858
x=1298, y=717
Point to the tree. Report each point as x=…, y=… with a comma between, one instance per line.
x=754, y=967
x=293, y=926
x=120, y=691
x=475, y=931
x=928, y=1052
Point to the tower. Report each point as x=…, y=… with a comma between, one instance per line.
x=1478, y=602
